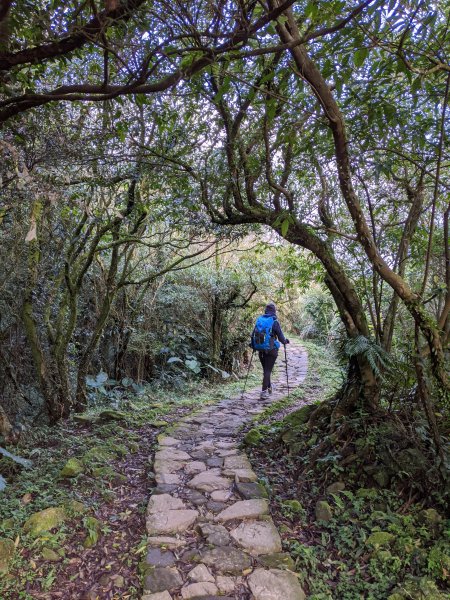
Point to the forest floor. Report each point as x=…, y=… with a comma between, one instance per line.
x=99, y=548
x=95, y=550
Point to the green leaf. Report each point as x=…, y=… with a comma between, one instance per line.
x=285, y=226
x=360, y=56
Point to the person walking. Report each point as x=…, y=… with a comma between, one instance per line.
x=266, y=338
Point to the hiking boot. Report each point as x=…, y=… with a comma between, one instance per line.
x=264, y=395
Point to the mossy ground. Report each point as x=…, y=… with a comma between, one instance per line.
x=380, y=539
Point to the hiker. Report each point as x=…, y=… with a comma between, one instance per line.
x=266, y=338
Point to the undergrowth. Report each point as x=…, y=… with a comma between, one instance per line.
x=354, y=528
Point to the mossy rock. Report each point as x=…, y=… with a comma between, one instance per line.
x=380, y=538
x=294, y=506
x=299, y=417
x=7, y=549
x=278, y=560
x=336, y=487
x=430, y=516
x=97, y=455
x=85, y=418
x=45, y=520
x=112, y=415
x=252, y=437
x=133, y=447
x=412, y=461
x=50, y=555
x=159, y=423
x=382, y=477
x=324, y=511
x=72, y=468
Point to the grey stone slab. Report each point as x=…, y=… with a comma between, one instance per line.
x=160, y=558
x=244, y=509
x=257, y=537
x=208, y=482
x=162, y=579
x=226, y=559
x=215, y=506
x=170, y=521
x=216, y=535
x=274, y=584
x=250, y=491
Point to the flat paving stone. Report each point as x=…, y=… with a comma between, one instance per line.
x=237, y=462
x=170, y=521
x=168, y=441
x=209, y=482
x=226, y=559
x=160, y=558
x=172, y=543
x=245, y=475
x=215, y=461
x=201, y=573
x=244, y=509
x=163, y=502
x=168, y=466
x=257, y=537
x=250, y=490
x=168, y=479
x=221, y=495
x=195, y=497
x=162, y=579
x=164, y=488
x=216, y=535
x=172, y=454
x=194, y=467
x=225, y=584
x=215, y=507
x=273, y=584
x=158, y=596
x=198, y=590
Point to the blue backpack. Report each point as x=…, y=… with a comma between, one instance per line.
x=262, y=336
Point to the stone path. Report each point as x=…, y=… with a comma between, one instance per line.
x=210, y=532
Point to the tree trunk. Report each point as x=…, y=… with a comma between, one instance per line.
x=352, y=314
x=310, y=73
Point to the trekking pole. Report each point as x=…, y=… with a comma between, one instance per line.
x=248, y=371
x=286, y=363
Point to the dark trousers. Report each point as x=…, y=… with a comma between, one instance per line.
x=267, y=360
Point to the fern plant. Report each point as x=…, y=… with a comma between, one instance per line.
x=378, y=359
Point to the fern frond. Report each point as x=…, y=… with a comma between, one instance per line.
x=375, y=355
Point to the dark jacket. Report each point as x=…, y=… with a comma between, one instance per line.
x=276, y=328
